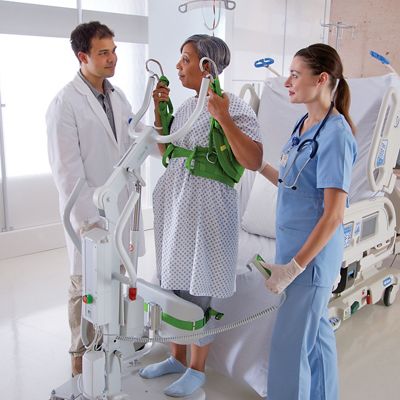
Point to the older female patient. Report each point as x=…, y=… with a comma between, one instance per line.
x=196, y=218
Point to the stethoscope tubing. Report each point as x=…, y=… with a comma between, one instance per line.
x=301, y=146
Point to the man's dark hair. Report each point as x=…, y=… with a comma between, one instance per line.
x=82, y=35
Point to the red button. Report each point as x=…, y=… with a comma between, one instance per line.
x=132, y=293
x=87, y=299
x=369, y=297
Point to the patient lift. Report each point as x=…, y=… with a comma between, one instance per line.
x=128, y=313
x=114, y=303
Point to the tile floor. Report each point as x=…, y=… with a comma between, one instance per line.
x=34, y=338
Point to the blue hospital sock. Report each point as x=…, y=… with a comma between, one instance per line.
x=187, y=384
x=169, y=366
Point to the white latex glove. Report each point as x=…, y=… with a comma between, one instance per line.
x=282, y=275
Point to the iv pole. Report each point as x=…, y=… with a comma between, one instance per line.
x=340, y=27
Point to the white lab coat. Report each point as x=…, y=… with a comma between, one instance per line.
x=81, y=144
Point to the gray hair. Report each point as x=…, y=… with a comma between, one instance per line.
x=211, y=47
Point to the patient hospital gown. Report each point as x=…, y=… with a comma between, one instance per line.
x=196, y=220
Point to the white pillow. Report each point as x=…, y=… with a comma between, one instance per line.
x=259, y=216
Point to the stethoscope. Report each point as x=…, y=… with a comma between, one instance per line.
x=308, y=142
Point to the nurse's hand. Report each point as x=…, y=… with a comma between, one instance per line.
x=282, y=275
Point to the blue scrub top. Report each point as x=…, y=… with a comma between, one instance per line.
x=298, y=211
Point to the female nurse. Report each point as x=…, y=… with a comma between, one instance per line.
x=313, y=181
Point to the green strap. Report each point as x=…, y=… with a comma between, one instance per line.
x=213, y=313
x=218, y=143
x=188, y=325
x=181, y=152
x=173, y=151
x=199, y=162
x=167, y=154
x=225, y=154
x=166, y=110
x=216, y=87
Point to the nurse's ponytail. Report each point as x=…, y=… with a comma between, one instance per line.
x=323, y=58
x=341, y=99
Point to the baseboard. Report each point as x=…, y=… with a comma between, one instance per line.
x=21, y=242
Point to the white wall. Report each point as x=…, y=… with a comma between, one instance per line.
x=275, y=28
x=376, y=27
x=255, y=29
x=168, y=29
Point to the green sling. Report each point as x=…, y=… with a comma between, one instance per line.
x=166, y=110
x=216, y=161
x=189, y=325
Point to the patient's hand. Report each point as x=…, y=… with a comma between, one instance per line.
x=218, y=106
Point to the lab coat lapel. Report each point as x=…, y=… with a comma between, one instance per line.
x=117, y=111
x=96, y=107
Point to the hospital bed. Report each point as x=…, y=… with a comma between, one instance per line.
x=371, y=223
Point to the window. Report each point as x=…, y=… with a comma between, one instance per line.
x=54, y=3
x=138, y=7
x=42, y=63
x=30, y=79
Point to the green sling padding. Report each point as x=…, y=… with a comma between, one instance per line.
x=219, y=144
x=216, y=162
x=199, y=162
x=188, y=325
x=166, y=110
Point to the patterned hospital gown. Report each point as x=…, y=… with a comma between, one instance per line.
x=196, y=220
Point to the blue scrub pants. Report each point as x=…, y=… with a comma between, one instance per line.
x=303, y=361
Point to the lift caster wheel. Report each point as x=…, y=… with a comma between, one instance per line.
x=389, y=296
